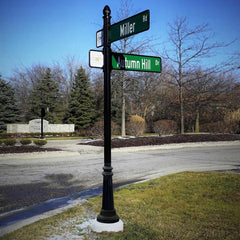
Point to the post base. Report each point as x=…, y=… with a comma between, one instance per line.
x=106, y=227
x=108, y=216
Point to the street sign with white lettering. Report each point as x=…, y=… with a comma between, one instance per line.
x=136, y=63
x=95, y=59
x=127, y=62
x=130, y=26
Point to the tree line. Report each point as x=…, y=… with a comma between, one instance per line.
x=197, y=98
x=209, y=98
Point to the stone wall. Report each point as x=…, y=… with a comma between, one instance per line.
x=17, y=128
x=61, y=127
x=35, y=126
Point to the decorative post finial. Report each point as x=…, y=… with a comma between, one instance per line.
x=106, y=11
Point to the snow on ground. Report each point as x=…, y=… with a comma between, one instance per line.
x=74, y=229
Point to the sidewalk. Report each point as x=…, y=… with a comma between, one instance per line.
x=72, y=146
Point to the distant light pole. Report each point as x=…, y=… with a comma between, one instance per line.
x=42, y=116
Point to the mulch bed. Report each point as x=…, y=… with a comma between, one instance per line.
x=158, y=140
x=25, y=149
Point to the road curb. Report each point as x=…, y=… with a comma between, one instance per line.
x=18, y=225
x=175, y=146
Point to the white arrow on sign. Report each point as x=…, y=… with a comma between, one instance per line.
x=95, y=59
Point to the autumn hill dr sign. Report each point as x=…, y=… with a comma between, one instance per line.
x=127, y=62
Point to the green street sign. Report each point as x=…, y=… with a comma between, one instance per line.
x=136, y=63
x=130, y=26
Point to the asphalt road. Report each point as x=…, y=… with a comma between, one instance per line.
x=26, y=179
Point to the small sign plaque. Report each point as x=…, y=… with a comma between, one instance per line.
x=95, y=59
x=99, y=38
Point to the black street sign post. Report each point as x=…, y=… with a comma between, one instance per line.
x=108, y=213
x=108, y=61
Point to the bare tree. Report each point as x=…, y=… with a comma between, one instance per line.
x=188, y=46
x=208, y=90
x=65, y=73
x=24, y=79
x=145, y=93
x=128, y=45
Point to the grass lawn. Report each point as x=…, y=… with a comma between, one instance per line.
x=187, y=205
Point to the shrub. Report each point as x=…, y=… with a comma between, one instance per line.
x=220, y=127
x=25, y=141
x=232, y=119
x=9, y=142
x=5, y=135
x=98, y=129
x=35, y=134
x=136, y=125
x=40, y=142
x=165, y=127
x=115, y=128
x=233, y=116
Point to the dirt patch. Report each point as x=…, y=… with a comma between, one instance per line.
x=158, y=140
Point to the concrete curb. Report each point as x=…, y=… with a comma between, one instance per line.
x=45, y=215
x=175, y=146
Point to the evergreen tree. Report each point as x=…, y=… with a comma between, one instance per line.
x=81, y=110
x=46, y=95
x=9, y=112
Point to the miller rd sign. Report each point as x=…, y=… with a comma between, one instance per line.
x=130, y=26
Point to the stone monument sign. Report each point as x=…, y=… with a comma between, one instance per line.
x=35, y=125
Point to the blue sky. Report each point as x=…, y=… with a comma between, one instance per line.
x=44, y=31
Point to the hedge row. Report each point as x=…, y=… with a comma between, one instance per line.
x=165, y=127
x=135, y=126
x=12, y=142
x=47, y=134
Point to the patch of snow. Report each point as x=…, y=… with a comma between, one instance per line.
x=93, y=140
x=121, y=137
